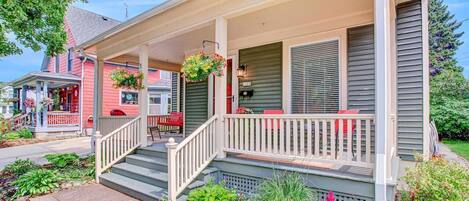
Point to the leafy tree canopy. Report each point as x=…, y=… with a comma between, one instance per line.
x=33, y=23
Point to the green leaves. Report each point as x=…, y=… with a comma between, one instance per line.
x=437, y=179
x=36, y=182
x=63, y=160
x=125, y=79
x=285, y=187
x=213, y=192
x=20, y=167
x=34, y=24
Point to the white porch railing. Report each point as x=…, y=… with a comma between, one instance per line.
x=107, y=124
x=302, y=137
x=63, y=119
x=190, y=157
x=116, y=145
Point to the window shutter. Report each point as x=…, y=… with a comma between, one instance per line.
x=315, y=78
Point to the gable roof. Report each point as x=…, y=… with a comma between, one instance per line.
x=85, y=25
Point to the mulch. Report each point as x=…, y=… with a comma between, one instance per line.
x=19, y=142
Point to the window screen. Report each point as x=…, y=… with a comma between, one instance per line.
x=315, y=78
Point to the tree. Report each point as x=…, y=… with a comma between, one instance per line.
x=449, y=90
x=444, y=40
x=34, y=24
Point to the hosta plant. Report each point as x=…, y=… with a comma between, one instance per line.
x=63, y=160
x=213, y=192
x=20, y=167
x=285, y=187
x=36, y=182
x=127, y=80
x=199, y=67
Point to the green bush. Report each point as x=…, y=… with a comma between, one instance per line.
x=36, y=182
x=63, y=160
x=25, y=133
x=20, y=167
x=11, y=136
x=437, y=179
x=213, y=192
x=285, y=187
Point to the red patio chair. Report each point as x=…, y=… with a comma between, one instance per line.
x=272, y=121
x=117, y=112
x=345, y=122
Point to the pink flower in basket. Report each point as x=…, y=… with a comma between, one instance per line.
x=330, y=196
x=244, y=110
x=29, y=103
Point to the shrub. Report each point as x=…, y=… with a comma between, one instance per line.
x=25, y=133
x=35, y=182
x=63, y=160
x=437, y=179
x=20, y=167
x=12, y=136
x=213, y=192
x=285, y=187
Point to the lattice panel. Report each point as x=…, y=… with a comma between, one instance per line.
x=243, y=184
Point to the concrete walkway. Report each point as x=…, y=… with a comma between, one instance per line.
x=451, y=156
x=35, y=152
x=91, y=192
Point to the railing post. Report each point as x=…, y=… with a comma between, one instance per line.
x=97, y=154
x=171, y=146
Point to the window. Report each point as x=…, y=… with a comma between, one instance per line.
x=154, y=104
x=169, y=104
x=155, y=100
x=315, y=78
x=57, y=63
x=165, y=74
x=69, y=59
x=129, y=98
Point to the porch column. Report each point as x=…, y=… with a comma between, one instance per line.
x=45, y=94
x=143, y=94
x=23, y=97
x=221, y=36
x=37, y=101
x=98, y=98
x=383, y=85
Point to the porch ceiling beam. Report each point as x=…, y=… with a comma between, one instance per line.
x=175, y=21
x=152, y=63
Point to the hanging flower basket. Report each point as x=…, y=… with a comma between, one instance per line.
x=46, y=101
x=127, y=80
x=199, y=66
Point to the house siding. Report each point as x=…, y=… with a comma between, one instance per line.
x=361, y=69
x=196, y=108
x=409, y=79
x=174, y=91
x=264, y=72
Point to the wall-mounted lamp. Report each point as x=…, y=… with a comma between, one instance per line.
x=242, y=70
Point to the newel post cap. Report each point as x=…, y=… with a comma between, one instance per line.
x=171, y=144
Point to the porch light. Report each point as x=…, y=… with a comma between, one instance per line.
x=242, y=70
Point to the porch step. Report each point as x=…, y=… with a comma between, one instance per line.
x=159, y=152
x=148, y=161
x=146, y=175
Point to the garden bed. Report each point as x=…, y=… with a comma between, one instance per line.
x=24, y=178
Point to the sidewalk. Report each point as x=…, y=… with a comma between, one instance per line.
x=35, y=152
x=451, y=156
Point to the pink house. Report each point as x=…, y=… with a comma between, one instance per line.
x=67, y=80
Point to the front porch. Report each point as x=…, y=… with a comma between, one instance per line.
x=49, y=102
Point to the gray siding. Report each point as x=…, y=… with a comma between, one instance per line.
x=196, y=105
x=361, y=69
x=409, y=79
x=174, y=91
x=265, y=74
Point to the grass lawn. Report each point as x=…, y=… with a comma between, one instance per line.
x=459, y=147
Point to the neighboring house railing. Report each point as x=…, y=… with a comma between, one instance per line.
x=338, y=138
x=189, y=158
x=63, y=119
x=116, y=145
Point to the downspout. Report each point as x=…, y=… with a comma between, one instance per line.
x=95, y=114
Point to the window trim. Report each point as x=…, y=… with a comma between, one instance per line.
x=340, y=63
x=70, y=60
x=131, y=105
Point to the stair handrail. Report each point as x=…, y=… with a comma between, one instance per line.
x=190, y=157
x=116, y=145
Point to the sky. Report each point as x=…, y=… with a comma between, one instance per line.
x=16, y=66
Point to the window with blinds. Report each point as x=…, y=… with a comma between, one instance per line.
x=315, y=78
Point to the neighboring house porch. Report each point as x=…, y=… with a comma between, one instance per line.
x=49, y=102
x=308, y=61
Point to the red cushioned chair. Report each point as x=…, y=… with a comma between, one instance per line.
x=345, y=126
x=272, y=121
x=117, y=112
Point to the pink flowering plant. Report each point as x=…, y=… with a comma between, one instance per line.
x=198, y=67
x=46, y=101
x=29, y=103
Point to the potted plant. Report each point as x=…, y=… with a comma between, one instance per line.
x=126, y=79
x=199, y=67
x=30, y=104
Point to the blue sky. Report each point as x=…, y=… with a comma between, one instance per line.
x=13, y=67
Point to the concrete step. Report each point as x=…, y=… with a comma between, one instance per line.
x=159, y=152
x=143, y=174
x=155, y=163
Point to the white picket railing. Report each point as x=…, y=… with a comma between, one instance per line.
x=303, y=137
x=116, y=145
x=189, y=158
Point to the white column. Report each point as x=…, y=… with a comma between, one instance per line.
x=143, y=94
x=45, y=94
x=37, y=102
x=98, y=97
x=23, y=98
x=221, y=36
x=382, y=60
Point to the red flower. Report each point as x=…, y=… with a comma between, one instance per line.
x=330, y=196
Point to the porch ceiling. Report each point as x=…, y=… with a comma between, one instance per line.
x=285, y=16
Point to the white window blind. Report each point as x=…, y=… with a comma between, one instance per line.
x=315, y=78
